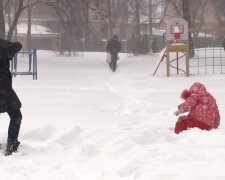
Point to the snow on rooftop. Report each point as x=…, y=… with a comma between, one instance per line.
x=35, y=29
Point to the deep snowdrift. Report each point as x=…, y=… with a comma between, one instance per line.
x=83, y=122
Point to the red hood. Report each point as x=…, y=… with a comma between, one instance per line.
x=195, y=88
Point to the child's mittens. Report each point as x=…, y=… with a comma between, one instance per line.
x=178, y=112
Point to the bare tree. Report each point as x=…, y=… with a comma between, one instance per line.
x=108, y=15
x=124, y=20
x=187, y=17
x=2, y=21
x=109, y=9
x=29, y=14
x=19, y=6
x=150, y=21
x=74, y=21
x=15, y=20
x=219, y=9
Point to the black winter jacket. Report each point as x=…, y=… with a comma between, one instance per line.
x=9, y=101
x=113, y=45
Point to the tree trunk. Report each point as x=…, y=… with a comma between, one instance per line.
x=137, y=26
x=124, y=24
x=8, y=11
x=150, y=24
x=186, y=16
x=15, y=20
x=29, y=14
x=109, y=6
x=86, y=22
x=2, y=21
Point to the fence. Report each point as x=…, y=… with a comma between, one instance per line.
x=209, y=55
x=208, y=60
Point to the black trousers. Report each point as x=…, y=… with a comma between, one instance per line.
x=114, y=58
x=14, y=125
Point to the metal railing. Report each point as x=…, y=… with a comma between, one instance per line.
x=32, y=64
x=208, y=60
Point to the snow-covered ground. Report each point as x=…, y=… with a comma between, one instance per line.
x=83, y=122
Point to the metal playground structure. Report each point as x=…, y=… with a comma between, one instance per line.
x=29, y=59
x=209, y=54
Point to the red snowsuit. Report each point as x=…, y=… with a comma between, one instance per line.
x=202, y=108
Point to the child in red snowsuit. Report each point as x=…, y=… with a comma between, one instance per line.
x=202, y=108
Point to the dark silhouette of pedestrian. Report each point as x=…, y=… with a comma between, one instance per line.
x=113, y=47
x=9, y=101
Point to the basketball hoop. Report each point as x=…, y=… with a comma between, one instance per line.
x=177, y=30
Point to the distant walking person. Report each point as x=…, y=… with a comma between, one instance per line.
x=113, y=47
x=9, y=102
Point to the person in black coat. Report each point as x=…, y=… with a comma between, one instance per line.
x=9, y=101
x=113, y=47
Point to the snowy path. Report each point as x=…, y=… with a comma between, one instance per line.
x=83, y=122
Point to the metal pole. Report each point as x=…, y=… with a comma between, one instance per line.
x=187, y=58
x=177, y=64
x=150, y=25
x=167, y=59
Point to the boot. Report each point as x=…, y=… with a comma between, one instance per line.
x=12, y=146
